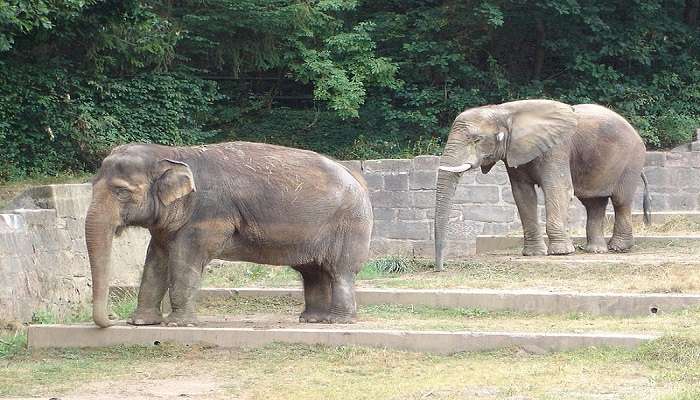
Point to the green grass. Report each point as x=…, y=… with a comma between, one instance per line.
x=12, y=344
x=389, y=266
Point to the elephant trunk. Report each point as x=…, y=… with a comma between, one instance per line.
x=446, y=186
x=99, y=233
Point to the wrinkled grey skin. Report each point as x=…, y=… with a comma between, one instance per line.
x=234, y=201
x=587, y=151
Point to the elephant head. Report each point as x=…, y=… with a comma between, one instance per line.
x=515, y=132
x=134, y=186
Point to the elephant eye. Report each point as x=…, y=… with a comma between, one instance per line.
x=122, y=193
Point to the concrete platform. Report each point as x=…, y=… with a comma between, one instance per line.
x=41, y=336
x=541, y=302
x=486, y=244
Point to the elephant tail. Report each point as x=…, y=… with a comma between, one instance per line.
x=646, y=204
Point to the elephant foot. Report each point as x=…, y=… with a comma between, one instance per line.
x=596, y=247
x=326, y=318
x=341, y=319
x=341, y=315
x=145, y=318
x=561, y=248
x=313, y=317
x=620, y=245
x=534, y=249
x=175, y=319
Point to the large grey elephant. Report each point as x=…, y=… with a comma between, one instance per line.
x=587, y=151
x=235, y=201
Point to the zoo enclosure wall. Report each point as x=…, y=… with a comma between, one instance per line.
x=44, y=263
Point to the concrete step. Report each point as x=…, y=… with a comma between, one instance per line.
x=487, y=244
x=541, y=302
x=59, y=336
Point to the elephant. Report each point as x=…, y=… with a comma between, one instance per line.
x=586, y=150
x=236, y=201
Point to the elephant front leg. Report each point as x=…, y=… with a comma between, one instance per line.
x=526, y=201
x=557, y=200
x=317, y=293
x=154, y=283
x=185, y=272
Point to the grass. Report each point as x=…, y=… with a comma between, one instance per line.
x=486, y=272
x=667, y=368
x=12, y=344
x=241, y=274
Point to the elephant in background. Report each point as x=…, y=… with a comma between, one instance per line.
x=587, y=151
x=234, y=201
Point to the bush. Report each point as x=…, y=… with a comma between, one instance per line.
x=54, y=120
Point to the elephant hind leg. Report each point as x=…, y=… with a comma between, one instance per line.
x=317, y=293
x=622, y=239
x=345, y=260
x=595, y=218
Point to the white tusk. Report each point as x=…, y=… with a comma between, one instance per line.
x=462, y=168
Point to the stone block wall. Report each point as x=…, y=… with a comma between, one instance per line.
x=43, y=259
x=403, y=197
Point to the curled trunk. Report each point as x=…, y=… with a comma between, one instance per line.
x=446, y=186
x=99, y=233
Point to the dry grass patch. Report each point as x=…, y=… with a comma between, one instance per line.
x=320, y=372
x=655, y=267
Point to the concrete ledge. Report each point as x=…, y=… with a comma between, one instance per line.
x=40, y=336
x=487, y=244
x=541, y=302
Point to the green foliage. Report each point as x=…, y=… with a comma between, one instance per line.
x=19, y=17
x=350, y=79
x=55, y=121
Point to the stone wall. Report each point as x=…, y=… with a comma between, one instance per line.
x=403, y=197
x=43, y=259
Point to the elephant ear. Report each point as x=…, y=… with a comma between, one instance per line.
x=176, y=181
x=535, y=127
